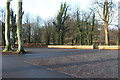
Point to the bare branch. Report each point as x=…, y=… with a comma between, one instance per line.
x=100, y=15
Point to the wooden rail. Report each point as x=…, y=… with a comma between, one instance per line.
x=110, y=47
x=71, y=47
x=104, y=47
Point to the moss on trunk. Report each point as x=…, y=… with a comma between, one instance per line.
x=7, y=27
x=19, y=28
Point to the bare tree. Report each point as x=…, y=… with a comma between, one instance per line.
x=28, y=27
x=7, y=27
x=19, y=28
x=2, y=11
x=61, y=18
x=48, y=33
x=13, y=28
x=107, y=15
x=92, y=29
x=37, y=29
x=87, y=24
x=79, y=26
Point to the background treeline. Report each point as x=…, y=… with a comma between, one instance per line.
x=68, y=27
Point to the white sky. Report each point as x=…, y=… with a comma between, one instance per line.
x=47, y=9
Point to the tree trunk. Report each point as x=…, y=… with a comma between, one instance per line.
x=93, y=24
x=13, y=38
x=48, y=40
x=3, y=34
x=53, y=38
x=88, y=39
x=29, y=34
x=81, y=38
x=58, y=41
x=119, y=36
x=19, y=28
x=87, y=34
x=106, y=33
x=91, y=39
x=13, y=26
x=7, y=27
x=62, y=37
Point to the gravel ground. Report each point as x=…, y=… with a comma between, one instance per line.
x=94, y=65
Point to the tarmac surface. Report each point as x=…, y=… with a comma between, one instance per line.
x=16, y=66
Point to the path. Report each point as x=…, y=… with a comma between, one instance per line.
x=15, y=66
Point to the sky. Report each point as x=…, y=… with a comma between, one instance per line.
x=47, y=9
